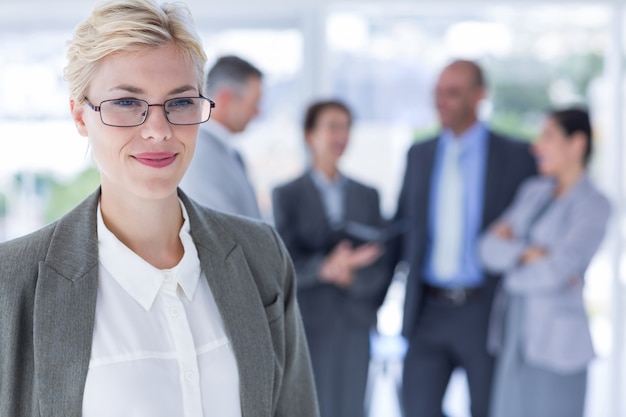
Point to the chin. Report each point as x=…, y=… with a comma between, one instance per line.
x=545, y=172
x=158, y=190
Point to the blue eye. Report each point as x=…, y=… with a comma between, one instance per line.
x=180, y=103
x=127, y=103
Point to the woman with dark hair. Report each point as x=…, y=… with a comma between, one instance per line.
x=543, y=245
x=322, y=216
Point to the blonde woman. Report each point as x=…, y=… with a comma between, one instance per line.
x=140, y=302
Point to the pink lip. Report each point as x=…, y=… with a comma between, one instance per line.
x=155, y=159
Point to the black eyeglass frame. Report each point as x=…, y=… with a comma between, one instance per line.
x=145, y=117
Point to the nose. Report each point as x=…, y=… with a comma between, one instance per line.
x=156, y=126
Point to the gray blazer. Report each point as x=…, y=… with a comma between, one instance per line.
x=48, y=287
x=216, y=179
x=571, y=228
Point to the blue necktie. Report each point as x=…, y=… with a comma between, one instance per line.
x=448, y=236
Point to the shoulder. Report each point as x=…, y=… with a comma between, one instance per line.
x=503, y=137
x=591, y=198
x=77, y=226
x=602, y=200
x=361, y=187
x=263, y=251
x=293, y=185
x=20, y=259
x=509, y=143
x=221, y=232
x=29, y=240
x=71, y=239
x=258, y=239
x=208, y=142
x=535, y=185
x=537, y=182
x=209, y=148
x=206, y=137
x=428, y=145
x=512, y=155
x=26, y=246
x=244, y=230
x=210, y=170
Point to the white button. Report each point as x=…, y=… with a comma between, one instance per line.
x=174, y=312
x=168, y=277
x=189, y=375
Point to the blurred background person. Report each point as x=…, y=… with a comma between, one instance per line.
x=543, y=245
x=341, y=279
x=454, y=186
x=217, y=176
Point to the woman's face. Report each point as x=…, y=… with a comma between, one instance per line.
x=329, y=137
x=149, y=160
x=554, y=151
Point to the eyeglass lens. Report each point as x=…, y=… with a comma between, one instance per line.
x=133, y=112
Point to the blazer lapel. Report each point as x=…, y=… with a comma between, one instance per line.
x=353, y=205
x=314, y=220
x=317, y=211
x=424, y=177
x=65, y=301
x=240, y=306
x=496, y=166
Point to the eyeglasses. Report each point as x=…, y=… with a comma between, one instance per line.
x=130, y=112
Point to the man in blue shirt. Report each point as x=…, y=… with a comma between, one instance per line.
x=455, y=185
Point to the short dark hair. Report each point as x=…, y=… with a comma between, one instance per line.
x=230, y=71
x=573, y=120
x=316, y=108
x=475, y=68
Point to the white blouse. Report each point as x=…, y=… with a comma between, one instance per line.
x=159, y=345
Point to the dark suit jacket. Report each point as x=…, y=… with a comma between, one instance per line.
x=509, y=162
x=48, y=288
x=301, y=221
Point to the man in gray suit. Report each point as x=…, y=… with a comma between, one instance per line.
x=217, y=177
x=455, y=185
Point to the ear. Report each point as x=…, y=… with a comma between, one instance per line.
x=308, y=139
x=221, y=112
x=77, y=111
x=480, y=94
x=228, y=95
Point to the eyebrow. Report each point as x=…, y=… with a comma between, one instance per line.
x=136, y=90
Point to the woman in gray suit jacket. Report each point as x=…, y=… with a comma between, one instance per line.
x=140, y=302
x=543, y=245
x=341, y=280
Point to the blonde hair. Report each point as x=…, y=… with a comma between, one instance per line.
x=129, y=26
